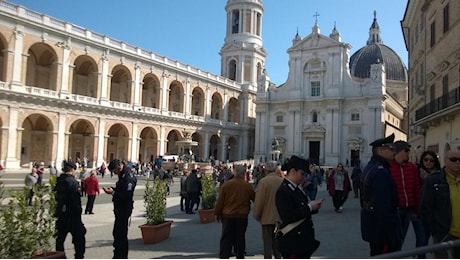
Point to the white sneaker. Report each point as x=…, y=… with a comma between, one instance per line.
x=341, y=208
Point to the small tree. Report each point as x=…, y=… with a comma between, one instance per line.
x=26, y=232
x=208, y=192
x=155, y=201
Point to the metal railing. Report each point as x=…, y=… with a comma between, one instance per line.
x=443, y=246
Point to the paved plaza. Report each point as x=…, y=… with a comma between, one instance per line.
x=339, y=233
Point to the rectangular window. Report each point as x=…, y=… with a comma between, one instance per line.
x=315, y=88
x=432, y=34
x=445, y=85
x=235, y=21
x=445, y=18
x=354, y=116
x=279, y=119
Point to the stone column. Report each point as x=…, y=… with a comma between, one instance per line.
x=17, y=63
x=61, y=139
x=206, y=145
x=188, y=95
x=223, y=148
x=4, y=144
x=102, y=142
x=164, y=92
x=12, y=160
x=134, y=143
x=63, y=70
x=225, y=103
x=137, y=85
x=208, y=102
x=105, y=76
x=162, y=141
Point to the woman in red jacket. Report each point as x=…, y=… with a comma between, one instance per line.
x=91, y=185
x=338, y=185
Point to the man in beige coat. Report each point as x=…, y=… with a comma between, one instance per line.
x=265, y=211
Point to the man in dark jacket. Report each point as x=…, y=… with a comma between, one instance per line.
x=440, y=204
x=193, y=189
x=68, y=211
x=380, y=223
x=122, y=198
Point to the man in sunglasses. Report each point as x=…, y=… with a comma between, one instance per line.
x=440, y=204
x=406, y=176
x=380, y=223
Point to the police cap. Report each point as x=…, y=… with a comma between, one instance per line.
x=384, y=142
x=70, y=165
x=299, y=163
x=113, y=164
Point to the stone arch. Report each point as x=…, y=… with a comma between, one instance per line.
x=41, y=71
x=121, y=85
x=216, y=106
x=234, y=110
x=37, y=140
x=176, y=97
x=3, y=68
x=231, y=149
x=172, y=138
x=198, y=150
x=81, y=142
x=117, y=143
x=85, y=77
x=148, y=145
x=198, y=101
x=214, y=142
x=150, y=94
x=232, y=69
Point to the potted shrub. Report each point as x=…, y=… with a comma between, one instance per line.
x=208, y=198
x=29, y=231
x=156, y=228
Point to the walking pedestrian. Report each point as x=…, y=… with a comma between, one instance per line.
x=296, y=235
x=338, y=185
x=312, y=180
x=122, y=198
x=355, y=177
x=406, y=176
x=91, y=185
x=265, y=211
x=193, y=189
x=380, y=222
x=30, y=180
x=183, y=192
x=68, y=211
x=429, y=164
x=232, y=209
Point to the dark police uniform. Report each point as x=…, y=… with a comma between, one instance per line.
x=68, y=213
x=122, y=208
x=292, y=205
x=380, y=223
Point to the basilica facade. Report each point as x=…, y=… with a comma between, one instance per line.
x=69, y=93
x=332, y=105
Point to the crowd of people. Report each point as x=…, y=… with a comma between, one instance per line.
x=393, y=193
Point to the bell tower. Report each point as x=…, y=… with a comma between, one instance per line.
x=243, y=55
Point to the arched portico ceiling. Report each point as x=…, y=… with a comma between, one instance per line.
x=148, y=133
x=118, y=130
x=81, y=126
x=38, y=122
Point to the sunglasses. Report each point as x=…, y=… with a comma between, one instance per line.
x=428, y=160
x=454, y=159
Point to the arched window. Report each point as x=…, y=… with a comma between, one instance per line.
x=232, y=70
x=314, y=117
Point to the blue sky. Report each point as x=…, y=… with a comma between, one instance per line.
x=193, y=31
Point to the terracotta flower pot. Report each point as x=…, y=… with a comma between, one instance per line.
x=52, y=255
x=152, y=234
x=206, y=215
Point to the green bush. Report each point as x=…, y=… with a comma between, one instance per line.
x=27, y=231
x=208, y=192
x=155, y=201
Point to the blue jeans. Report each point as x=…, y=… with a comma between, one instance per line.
x=408, y=215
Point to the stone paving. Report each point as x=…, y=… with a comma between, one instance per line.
x=339, y=233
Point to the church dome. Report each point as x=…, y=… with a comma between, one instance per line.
x=376, y=52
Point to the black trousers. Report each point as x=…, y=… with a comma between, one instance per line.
x=30, y=197
x=337, y=199
x=90, y=203
x=382, y=248
x=192, y=199
x=233, y=236
x=74, y=225
x=120, y=233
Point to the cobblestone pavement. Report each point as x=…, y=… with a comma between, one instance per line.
x=339, y=233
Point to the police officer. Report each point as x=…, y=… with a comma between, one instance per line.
x=380, y=223
x=68, y=211
x=122, y=197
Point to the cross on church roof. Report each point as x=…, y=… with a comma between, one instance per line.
x=316, y=17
